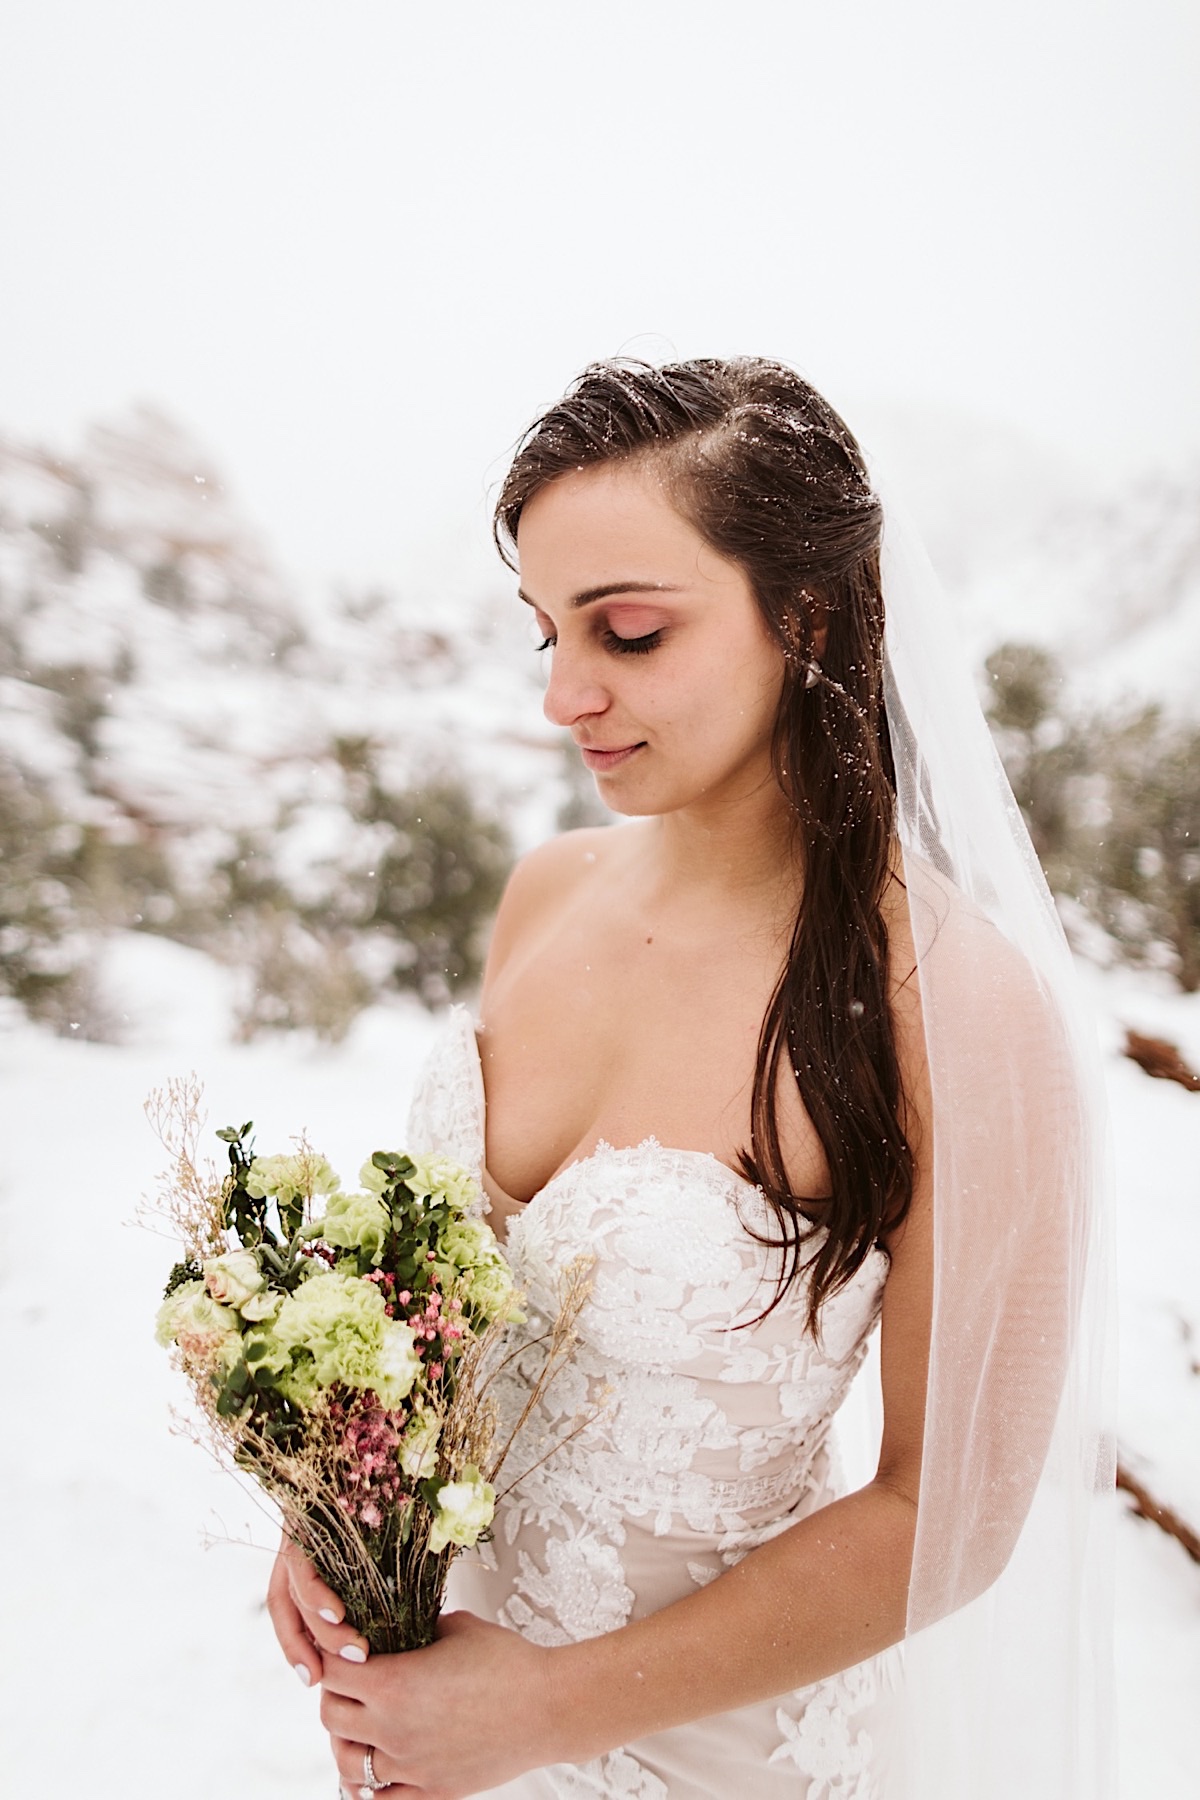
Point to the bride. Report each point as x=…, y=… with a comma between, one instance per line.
x=791, y=1056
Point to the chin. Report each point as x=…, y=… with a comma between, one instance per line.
x=632, y=801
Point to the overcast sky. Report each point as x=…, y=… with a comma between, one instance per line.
x=354, y=245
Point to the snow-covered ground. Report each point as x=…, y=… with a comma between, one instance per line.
x=138, y=1658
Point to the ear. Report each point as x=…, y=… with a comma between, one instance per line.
x=817, y=608
x=807, y=628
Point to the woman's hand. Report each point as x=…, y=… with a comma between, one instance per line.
x=308, y=1617
x=468, y=1713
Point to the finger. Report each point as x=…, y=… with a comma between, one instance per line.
x=322, y=1611
x=350, y=1755
x=290, y=1631
x=310, y=1590
x=340, y=1641
x=358, y=1681
x=342, y=1718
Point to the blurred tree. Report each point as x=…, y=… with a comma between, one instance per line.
x=42, y=961
x=1112, y=803
x=435, y=879
x=1148, y=851
x=1045, y=754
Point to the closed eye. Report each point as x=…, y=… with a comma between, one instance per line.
x=545, y=630
x=632, y=646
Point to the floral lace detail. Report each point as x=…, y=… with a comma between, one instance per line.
x=446, y=1116
x=685, y=1430
x=822, y=1739
x=617, y=1774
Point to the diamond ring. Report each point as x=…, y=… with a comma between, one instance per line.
x=370, y=1781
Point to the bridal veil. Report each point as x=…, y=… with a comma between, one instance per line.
x=1007, y=1687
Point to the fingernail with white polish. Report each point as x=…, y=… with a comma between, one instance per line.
x=329, y=1616
x=353, y=1653
x=302, y=1671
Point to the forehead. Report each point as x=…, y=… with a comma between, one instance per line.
x=610, y=523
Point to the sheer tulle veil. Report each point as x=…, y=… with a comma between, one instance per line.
x=1007, y=1686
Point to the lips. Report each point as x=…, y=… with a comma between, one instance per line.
x=601, y=760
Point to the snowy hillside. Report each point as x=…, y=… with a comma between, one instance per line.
x=1113, y=588
x=134, y=594
x=1032, y=551
x=197, y=753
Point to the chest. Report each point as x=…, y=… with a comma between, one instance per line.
x=611, y=1026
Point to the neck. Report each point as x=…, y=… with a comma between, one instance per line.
x=737, y=849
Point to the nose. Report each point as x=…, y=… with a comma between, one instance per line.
x=572, y=692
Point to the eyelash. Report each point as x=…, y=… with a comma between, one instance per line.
x=638, y=646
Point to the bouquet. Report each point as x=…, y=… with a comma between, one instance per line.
x=343, y=1356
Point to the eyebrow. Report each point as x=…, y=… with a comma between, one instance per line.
x=609, y=588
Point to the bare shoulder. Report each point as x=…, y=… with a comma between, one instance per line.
x=946, y=952
x=542, y=882
x=967, y=961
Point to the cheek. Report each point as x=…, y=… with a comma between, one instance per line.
x=743, y=685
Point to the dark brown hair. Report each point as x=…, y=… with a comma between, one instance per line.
x=770, y=476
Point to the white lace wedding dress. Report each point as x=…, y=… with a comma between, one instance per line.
x=705, y=1441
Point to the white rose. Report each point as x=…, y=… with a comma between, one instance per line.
x=202, y=1329
x=231, y=1279
x=418, y=1447
x=173, y=1309
x=465, y=1508
x=260, y=1307
x=398, y=1364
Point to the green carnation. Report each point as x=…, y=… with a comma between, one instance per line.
x=372, y=1178
x=341, y=1323
x=466, y=1242
x=489, y=1291
x=357, y=1222
x=263, y=1350
x=464, y=1509
x=297, y=1382
x=289, y=1178
x=439, y=1178
x=473, y=1264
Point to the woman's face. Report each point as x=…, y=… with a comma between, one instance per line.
x=662, y=668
